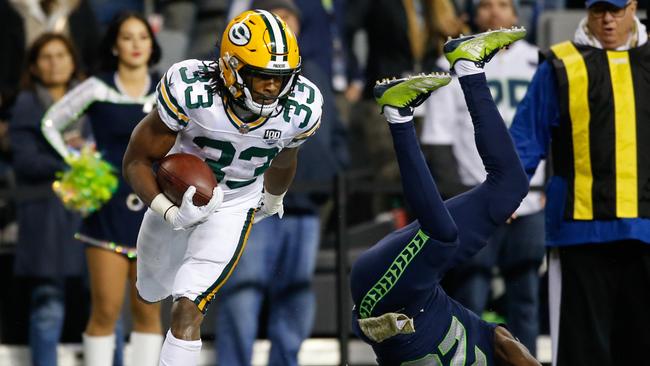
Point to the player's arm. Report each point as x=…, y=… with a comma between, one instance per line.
x=508, y=351
x=150, y=141
x=277, y=179
x=279, y=175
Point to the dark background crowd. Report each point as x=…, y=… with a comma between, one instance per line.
x=50, y=46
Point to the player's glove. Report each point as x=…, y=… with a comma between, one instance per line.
x=187, y=215
x=270, y=204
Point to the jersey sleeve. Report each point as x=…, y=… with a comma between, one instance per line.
x=67, y=110
x=169, y=93
x=305, y=109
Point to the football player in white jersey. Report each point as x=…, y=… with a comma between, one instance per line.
x=516, y=248
x=245, y=115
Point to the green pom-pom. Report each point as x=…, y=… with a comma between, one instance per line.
x=88, y=184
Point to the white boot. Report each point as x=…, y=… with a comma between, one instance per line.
x=145, y=348
x=98, y=350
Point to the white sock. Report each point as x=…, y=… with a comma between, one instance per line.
x=393, y=116
x=464, y=67
x=145, y=348
x=177, y=352
x=98, y=350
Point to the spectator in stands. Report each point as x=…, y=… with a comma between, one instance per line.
x=280, y=257
x=319, y=31
x=590, y=105
x=107, y=10
x=46, y=252
x=517, y=247
x=579, y=4
x=114, y=102
x=74, y=18
x=404, y=37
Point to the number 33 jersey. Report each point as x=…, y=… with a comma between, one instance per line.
x=237, y=151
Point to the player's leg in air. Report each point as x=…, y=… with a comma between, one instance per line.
x=400, y=308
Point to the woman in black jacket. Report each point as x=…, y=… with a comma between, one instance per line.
x=47, y=253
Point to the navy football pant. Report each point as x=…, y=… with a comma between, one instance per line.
x=457, y=228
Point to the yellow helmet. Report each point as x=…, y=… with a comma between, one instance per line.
x=258, y=43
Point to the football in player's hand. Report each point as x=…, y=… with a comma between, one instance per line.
x=176, y=172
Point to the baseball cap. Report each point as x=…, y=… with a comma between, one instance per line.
x=616, y=3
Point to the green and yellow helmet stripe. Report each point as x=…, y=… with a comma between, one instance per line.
x=278, y=39
x=271, y=33
x=284, y=38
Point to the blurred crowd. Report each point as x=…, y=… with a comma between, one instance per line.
x=50, y=47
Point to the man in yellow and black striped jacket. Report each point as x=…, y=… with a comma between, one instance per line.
x=588, y=108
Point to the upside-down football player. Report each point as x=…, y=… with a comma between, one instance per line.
x=400, y=308
x=245, y=115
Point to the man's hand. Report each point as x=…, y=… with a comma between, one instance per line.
x=189, y=215
x=508, y=351
x=270, y=204
x=354, y=92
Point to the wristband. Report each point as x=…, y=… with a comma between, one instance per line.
x=272, y=199
x=162, y=205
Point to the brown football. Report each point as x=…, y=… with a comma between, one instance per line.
x=176, y=172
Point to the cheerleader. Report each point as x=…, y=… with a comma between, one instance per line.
x=114, y=101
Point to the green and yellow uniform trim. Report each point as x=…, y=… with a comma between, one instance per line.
x=304, y=135
x=170, y=104
x=239, y=123
x=202, y=301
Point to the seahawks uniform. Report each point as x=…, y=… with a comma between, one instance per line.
x=400, y=308
x=112, y=115
x=195, y=263
x=447, y=121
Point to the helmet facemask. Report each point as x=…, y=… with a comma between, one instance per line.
x=238, y=79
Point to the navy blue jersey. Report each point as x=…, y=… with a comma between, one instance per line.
x=444, y=329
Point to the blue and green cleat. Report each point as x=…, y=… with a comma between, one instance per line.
x=481, y=47
x=410, y=91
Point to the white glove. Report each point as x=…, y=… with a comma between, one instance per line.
x=187, y=215
x=270, y=204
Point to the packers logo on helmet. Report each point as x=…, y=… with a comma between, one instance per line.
x=239, y=34
x=258, y=43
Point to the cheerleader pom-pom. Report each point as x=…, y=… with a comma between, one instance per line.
x=88, y=184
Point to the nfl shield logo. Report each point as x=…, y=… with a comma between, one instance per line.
x=272, y=136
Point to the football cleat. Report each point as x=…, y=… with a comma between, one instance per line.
x=410, y=91
x=481, y=47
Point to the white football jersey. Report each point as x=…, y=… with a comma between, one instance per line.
x=238, y=152
x=448, y=122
